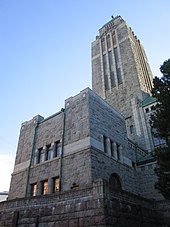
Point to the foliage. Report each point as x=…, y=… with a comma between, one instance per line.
x=160, y=121
x=162, y=170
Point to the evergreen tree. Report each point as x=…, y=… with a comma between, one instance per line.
x=160, y=121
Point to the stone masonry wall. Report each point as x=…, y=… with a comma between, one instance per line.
x=34, y=134
x=103, y=166
x=106, y=121
x=73, y=166
x=18, y=185
x=92, y=206
x=147, y=179
x=46, y=171
x=126, y=210
x=23, y=158
x=49, y=130
x=97, y=70
x=76, y=118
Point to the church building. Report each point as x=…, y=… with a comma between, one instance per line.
x=91, y=163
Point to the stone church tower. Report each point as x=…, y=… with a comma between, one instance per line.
x=121, y=75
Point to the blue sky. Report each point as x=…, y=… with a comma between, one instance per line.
x=45, y=55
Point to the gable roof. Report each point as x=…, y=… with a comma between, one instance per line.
x=148, y=101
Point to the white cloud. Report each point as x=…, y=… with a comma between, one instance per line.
x=6, y=168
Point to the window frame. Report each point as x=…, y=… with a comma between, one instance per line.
x=44, y=187
x=33, y=189
x=39, y=156
x=48, y=152
x=56, y=181
x=105, y=144
x=131, y=127
x=57, y=149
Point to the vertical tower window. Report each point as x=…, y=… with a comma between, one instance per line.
x=34, y=189
x=114, y=39
x=111, y=67
x=57, y=150
x=44, y=189
x=103, y=45
x=105, y=69
x=119, y=77
x=108, y=42
x=56, y=184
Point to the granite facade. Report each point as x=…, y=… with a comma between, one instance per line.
x=93, y=145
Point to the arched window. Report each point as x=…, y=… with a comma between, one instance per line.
x=114, y=182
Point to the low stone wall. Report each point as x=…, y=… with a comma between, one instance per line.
x=129, y=210
x=92, y=206
x=73, y=208
x=164, y=208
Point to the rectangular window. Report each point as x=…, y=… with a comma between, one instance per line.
x=48, y=152
x=114, y=40
x=39, y=156
x=153, y=108
x=147, y=110
x=44, y=187
x=116, y=57
x=57, y=151
x=56, y=184
x=34, y=189
x=119, y=77
x=131, y=129
x=108, y=42
x=111, y=68
x=112, y=79
x=105, y=69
